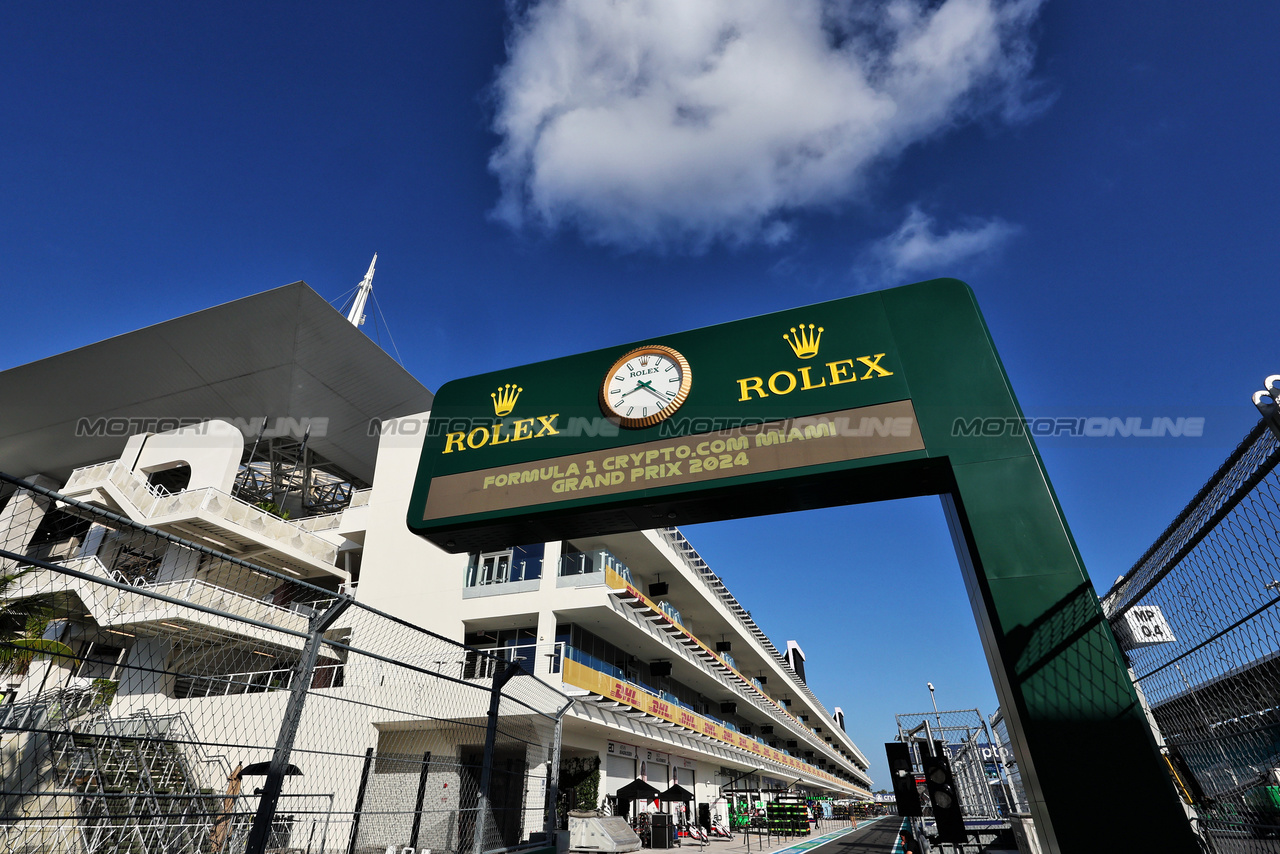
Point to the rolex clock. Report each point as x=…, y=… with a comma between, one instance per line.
x=645, y=386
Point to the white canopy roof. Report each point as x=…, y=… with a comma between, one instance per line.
x=285, y=353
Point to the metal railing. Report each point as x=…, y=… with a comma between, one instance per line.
x=202, y=592
x=154, y=503
x=589, y=563
x=591, y=662
x=320, y=522
x=129, y=602
x=761, y=701
x=253, y=682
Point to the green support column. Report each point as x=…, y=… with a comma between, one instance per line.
x=1086, y=753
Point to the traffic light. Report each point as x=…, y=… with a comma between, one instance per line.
x=902, y=771
x=943, y=794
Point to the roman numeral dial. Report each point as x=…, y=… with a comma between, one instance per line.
x=645, y=386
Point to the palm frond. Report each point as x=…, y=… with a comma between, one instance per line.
x=17, y=654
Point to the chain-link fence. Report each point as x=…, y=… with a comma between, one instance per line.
x=979, y=763
x=164, y=696
x=1198, y=618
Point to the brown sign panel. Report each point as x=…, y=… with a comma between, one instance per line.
x=848, y=434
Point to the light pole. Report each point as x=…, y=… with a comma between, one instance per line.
x=936, y=716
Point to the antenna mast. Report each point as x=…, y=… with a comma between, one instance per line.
x=356, y=316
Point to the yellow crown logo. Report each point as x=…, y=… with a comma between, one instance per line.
x=804, y=342
x=504, y=400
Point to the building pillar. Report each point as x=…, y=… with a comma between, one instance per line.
x=93, y=540
x=146, y=670
x=546, y=658
x=21, y=516
x=177, y=564
x=551, y=565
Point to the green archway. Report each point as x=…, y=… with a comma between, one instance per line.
x=891, y=394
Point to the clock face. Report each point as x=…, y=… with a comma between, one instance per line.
x=645, y=386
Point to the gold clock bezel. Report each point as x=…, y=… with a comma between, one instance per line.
x=686, y=382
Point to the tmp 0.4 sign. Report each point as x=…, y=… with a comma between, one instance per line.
x=1143, y=625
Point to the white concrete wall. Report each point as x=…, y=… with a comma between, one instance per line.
x=212, y=449
x=401, y=573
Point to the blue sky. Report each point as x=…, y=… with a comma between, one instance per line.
x=1103, y=174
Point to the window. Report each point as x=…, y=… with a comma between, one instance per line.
x=574, y=562
x=521, y=563
x=494, y=568
x=526, y=562
x=58, y=535
x=499, y=644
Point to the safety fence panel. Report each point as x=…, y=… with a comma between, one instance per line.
x=979, y=762
x=1198, y=617
x=161, y=695
x=1002, y=744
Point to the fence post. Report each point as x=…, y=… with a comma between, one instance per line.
x=553, y=782
x=299, y=686
x=511, y=668
x=422, y=793
x=355, y=813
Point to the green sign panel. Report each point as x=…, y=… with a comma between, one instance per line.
x=877, y=396
x=811, y=390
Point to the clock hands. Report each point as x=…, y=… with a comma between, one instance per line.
x=662, y=397
x=645, y=385
x=639, y=385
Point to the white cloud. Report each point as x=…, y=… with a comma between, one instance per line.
x=676, y=123
x=917, y=249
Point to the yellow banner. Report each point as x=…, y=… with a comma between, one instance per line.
x=609, y=687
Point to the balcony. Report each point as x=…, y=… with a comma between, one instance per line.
x=135, y=605
x=585, y=569
x=483, y=663
x=223, y=522
x=667, y=620
x=513, y=570
x=296, y=617
x=605, y=681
